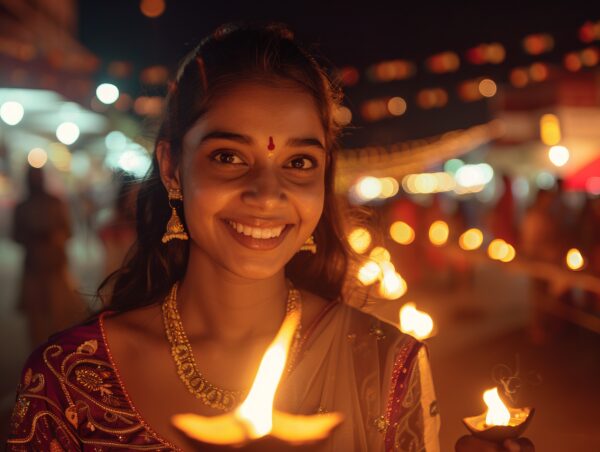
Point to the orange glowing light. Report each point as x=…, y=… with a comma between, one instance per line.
x=255, y=417
x=417, y=323
x=152, y=8
x=402, y=233
x=360, y=240
x=575, y=259
x=471, y=239
x=439, y=232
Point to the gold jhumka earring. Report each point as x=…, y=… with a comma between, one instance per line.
x=175, y=229
x=310, y=245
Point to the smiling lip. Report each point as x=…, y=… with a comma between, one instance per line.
x=255, y=243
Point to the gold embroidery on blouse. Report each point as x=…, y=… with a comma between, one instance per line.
x=77, y=373
x=19, y=412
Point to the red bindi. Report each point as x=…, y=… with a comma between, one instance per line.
x=271, y=144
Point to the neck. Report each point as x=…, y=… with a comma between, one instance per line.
x=217, y=304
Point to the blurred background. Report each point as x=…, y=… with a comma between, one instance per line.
x=473, y=138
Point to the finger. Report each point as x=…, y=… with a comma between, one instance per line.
x=511, y=445
x=469, y=443
x=526, y=445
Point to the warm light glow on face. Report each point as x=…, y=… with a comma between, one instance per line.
x=360, y=240
x=402, y=233
x=439, y=232
x=369, y=273
x=471, y=239
x=37, y=157
x=574, y=259
x=550, y=130
x=380, y=254
x=497, y=413
x=558, y=155
x=417, y=323
x=11, y=112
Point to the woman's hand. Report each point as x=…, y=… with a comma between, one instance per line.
x=470, y=443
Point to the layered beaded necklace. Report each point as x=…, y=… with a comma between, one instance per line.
x=187, y=369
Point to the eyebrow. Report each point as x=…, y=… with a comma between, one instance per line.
x=296, y=142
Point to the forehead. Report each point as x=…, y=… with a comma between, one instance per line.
x=255, y=108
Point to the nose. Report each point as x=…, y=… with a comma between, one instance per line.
x=265, y=191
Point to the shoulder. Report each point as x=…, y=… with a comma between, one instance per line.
x=385, y=334
x=43, y=410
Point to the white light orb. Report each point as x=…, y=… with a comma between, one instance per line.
x=11, y=112
x=67, y=133
x=107, y=93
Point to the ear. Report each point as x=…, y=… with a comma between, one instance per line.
x=169, y=171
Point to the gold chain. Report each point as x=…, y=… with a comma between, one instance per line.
x=181, y=350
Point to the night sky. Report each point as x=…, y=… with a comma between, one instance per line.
x=351, y=35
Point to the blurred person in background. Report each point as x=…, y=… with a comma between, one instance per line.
x=541, y=241
x=47, y=297
x=118, y=234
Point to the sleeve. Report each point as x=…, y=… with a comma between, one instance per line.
x=38, y=421
x=413, y=422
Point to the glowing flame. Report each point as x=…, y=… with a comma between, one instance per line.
x=574, y=259
x=414, y=322
x=497, y=413
x=255, y=417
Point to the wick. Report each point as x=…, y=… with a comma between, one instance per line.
x=271, y=144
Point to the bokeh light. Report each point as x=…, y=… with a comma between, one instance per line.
x=417, y=323
x=107, y=93
x=67, y=133
x=369, y=273
x=359, y=240
x=402, y=233
x=37, y=157
x=12, y=112
x=575, y=259
x=559, y=155
x=152, y=8
x=379, y=254
x=471, y=239
x=439, y=232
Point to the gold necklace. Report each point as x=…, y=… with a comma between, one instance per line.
x=181, y=350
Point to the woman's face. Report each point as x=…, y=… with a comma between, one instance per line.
x=252, y=175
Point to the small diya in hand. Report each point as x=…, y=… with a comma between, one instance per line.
x=255, y=425
x=499, y=422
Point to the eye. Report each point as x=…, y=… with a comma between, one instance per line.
x=302, y=163
x=226, y=158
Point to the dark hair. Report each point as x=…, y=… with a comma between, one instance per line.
x=231, y=55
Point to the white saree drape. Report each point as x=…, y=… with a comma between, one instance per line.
x=376, y=376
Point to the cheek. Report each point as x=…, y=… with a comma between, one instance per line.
x=310, y=205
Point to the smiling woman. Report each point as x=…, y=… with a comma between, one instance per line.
x=241, y=184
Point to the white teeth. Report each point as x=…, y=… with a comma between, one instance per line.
x=257, y=233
